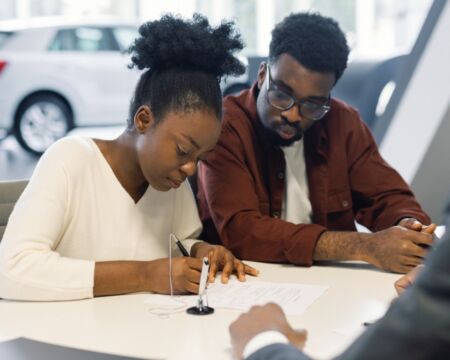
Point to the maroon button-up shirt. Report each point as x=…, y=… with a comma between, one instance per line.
x=242, y=183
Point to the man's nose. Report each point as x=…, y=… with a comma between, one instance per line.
x=292, y=115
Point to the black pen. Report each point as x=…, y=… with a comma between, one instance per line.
x=180, y=245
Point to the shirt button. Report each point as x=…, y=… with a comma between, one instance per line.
x=344, y=203
x=276, y=214
x=280, y=175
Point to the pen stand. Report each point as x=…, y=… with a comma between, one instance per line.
x=200, y=309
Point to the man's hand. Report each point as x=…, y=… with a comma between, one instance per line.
x=222, y=259
x=397, y=248
x=416, y=225
x=407, y=280
x=258, y=319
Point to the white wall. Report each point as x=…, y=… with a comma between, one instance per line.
x=423, y=105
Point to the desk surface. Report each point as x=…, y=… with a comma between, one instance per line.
x=123, y=324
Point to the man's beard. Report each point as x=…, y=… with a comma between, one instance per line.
x=274, y=138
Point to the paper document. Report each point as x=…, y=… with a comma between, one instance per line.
x=440, y=231
x=293, y=298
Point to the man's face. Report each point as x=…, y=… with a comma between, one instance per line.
x=289, y=77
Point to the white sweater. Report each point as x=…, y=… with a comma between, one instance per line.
x=75, y=212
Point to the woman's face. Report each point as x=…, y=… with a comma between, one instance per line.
x=168, y=151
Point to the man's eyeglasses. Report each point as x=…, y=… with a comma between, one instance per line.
x=310, y=108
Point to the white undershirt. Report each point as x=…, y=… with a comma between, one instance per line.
x=75, y=212
x=296, y=206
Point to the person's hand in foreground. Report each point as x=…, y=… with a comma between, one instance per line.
x=269, y=317
x=407, y=280
x=222, y=259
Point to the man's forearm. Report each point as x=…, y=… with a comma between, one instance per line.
x=396, y=249
x=336, y=245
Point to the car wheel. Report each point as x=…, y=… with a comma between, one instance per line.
x=40, y=121
x=235, y=88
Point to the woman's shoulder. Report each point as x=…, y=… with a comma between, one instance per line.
x=73, y=143
x=71, y=151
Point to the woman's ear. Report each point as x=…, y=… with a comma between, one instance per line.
x=261, y=75
x=143, y=119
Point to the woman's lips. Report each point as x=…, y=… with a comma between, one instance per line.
x=175, y=183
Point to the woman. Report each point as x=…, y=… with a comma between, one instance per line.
x=97, y=215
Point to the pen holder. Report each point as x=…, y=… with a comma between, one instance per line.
x=200, y=309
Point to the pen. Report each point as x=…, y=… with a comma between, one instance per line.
x=202, y=307
x=180, y=245
x=203, y=276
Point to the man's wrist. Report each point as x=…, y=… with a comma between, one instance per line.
x=364, y=246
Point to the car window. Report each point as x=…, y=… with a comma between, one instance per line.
x=4, y=36
x=125, y=36
x=83, y=38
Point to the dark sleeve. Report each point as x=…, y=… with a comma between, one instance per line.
x=228, y=193
x=417, y=325
x=381, y=197
x=278, y=352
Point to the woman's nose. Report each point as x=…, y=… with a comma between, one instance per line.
x=189, y=168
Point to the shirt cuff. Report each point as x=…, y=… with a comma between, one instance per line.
x=263, y=339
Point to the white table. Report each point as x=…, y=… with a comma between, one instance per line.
x=123, y=324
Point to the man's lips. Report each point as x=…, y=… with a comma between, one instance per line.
x=286, y=131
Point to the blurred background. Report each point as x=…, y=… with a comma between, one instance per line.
x=63, y=71
x=375, y=28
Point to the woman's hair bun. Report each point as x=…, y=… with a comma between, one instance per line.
x=173, y=42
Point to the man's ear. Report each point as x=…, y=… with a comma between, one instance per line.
x=261, y=75
x=143, y=119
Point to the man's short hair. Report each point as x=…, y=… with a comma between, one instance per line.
x=315, y=41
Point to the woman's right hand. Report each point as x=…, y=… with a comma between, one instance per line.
x=185, y=275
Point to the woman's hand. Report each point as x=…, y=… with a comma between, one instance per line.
x=222, y=259
x=185, y=275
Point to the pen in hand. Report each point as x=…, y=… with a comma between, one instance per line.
x=180, y=245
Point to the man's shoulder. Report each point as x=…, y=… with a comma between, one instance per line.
x=341, y=112
x=239, y=111
x=241, y=106
x=341, y=108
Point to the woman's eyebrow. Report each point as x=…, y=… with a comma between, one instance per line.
x=191, y=140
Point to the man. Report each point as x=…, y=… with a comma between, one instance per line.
x=294, y=168
x=416, y=326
